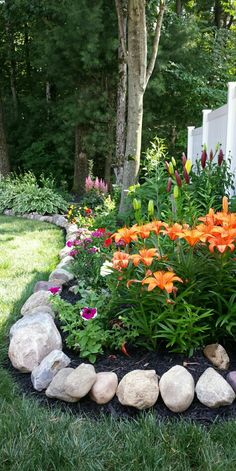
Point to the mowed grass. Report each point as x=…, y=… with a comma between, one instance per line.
x=33, y=438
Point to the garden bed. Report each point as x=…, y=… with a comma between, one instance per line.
x=120, y=364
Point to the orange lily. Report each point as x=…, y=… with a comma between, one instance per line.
x=145, y=256
x=120, y=260
x=163, y=280
x=192, y=236
x=155, y=226
x=221, y=242
x=142, y=231
x=173, y=231
x=125, y=234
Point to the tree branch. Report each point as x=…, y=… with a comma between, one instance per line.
x=122, y=34
x=155, y=42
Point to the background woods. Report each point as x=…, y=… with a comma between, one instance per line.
x=63, y=80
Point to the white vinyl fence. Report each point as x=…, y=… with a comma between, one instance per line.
x=218, y=127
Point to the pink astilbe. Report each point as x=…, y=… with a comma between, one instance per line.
x=103, y=186
x=88, y=184
x=96, y=184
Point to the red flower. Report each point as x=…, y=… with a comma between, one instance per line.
x=88, y=211
x=107, y=242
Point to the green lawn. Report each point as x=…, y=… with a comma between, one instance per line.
x=33, y=438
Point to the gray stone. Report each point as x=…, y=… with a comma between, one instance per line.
x=66, y=262
x=43, y=374
x=231, y=379
x=104, y=388
x=56, y=388
x=177, y=388
x=72, y=229
x=213, y=391
x=61, y=274
x=59, y=220
x=217, y=355
x=79, y=383
x=37, y=299
x=45, y=285
x=41, y=310
x=33, y=338
x=139, y=389
x=65, y=252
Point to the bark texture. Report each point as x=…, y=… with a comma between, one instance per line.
x=4, y=160
x=80, y=164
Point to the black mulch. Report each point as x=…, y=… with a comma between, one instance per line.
x=121, y=364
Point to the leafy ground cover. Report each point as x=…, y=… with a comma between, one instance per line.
x=34, y=437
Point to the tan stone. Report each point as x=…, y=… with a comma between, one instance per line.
x=217, y=355
x=56, y=388
x=213, y=391
x=61, y=274
x=104, y=388
x=33, y=338
x=79, y=383
x=139, y=389
x=177, y=388
x=41, y=298
x=43, y=374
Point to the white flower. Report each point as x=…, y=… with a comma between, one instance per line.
x=106, y=268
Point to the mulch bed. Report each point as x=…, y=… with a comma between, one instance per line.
x=139, y=359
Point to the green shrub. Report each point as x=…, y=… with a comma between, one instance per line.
x=23, y=194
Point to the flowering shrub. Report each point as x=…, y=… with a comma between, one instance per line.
x=90, y=250
x=97, y=185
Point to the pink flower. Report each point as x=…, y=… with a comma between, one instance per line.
x=73, y=253
x=88, y=183
x=93, y=250
x=70, y=243
x=88, y=313
x=54, y=290
x=96, y=184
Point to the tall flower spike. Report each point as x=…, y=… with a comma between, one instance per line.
x=203, y=158
x=220, y=157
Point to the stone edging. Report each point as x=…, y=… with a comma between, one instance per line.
x=36, y=347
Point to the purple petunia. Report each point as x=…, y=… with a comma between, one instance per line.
x=54, y=290
x=88, y=313
x=73, y=253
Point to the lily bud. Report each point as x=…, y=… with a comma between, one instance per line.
x=171, y=169
x=136, y=204
x=186, y=176
x=220, y=157
x=169, y=183
x=176, y=191
x=184, y=159
x=167, y=166
x=211, y=156
x=188, y=166
x=173, y=161
x=203, y=158
x=150, y=207
x=178, y=179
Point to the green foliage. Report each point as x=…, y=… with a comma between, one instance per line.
x=86, y=336
x=24, y=194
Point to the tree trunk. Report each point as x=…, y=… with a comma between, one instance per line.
x=178, y=7
x=218, y=11
x=12, y=63
x=137, y=66
x=138, y=77
x=4, y=160
x=121, y=93
x=80, y=164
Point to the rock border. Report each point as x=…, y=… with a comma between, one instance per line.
x=36, y=347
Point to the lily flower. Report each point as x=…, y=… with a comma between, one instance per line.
x=163, y=280
x=145, y=256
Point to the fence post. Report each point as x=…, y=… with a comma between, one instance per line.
x=231, y=126
x=190, y=143
x=205, y=128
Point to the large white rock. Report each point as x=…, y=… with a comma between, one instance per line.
x=177, y=388
x=33, y=338
x=56, y=388
x=37, y=299
x=79, y=383
x=217, y=355
x=43, y=374
x=72, y=229
x=139, y=389
x=41, y=310
x=104, y=388
x=61, y=274
x=46, y=285
x=213, y=391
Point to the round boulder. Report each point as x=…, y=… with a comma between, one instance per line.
x=177, y=388
x=139, y=389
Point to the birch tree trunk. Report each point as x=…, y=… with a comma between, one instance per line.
x=121, y=7
x=4, y=160
x=138, y=76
